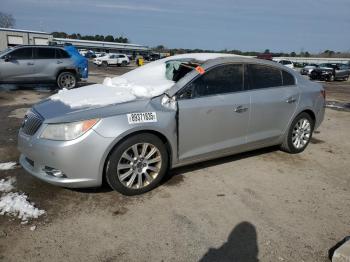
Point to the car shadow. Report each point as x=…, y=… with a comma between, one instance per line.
x=218, y=161
x=47, y=88
x=28, y=87
x=174, y=176
x=241, y=245
x=104, y=188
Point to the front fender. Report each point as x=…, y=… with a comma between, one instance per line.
x=118, y=127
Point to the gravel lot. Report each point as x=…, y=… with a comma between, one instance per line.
x=263, y=205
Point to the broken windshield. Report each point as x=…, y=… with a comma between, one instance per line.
x=177, y=69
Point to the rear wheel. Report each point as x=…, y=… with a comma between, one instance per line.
x=299, y=134
x=124, y=63
x=66, y=80
x=137, y=165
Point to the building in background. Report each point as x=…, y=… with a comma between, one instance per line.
x=101, y=46
x=12, y=37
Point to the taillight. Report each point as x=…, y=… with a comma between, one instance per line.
x=323, y=93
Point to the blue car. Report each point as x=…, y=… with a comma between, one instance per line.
x=80, y=62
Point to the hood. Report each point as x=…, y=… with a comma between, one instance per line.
x=323, y=69
x=58, y=112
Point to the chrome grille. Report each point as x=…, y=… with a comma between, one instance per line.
x=31, y=123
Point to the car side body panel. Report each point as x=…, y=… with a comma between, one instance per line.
x=208, y=125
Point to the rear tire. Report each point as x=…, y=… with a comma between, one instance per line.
x=300, y=131
x=137, y=165
x=66, y=80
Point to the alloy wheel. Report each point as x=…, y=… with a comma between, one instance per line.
x=301, y=133
x=139, y=165
x=67, y=81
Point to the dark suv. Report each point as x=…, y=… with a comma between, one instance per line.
x=330, y=72
x=38, y=64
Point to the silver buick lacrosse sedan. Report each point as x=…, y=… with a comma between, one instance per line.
x=180, y=110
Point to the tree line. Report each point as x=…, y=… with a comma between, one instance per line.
x=7, y=20
x=107, y=38
x=326, y=53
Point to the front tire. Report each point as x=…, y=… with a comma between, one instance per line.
x=137, y=165
x=331, y=78
x=299, y=134
x=66, y=80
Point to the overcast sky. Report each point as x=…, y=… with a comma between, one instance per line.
x=278, y=25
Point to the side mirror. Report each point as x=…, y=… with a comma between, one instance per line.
x=7, y=58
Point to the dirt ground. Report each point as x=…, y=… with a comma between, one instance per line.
x=265, y=204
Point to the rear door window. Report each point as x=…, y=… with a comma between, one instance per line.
x=22, y=53
x=261, y=76
x=288, y=79
x=60, y=54
x=44, y=53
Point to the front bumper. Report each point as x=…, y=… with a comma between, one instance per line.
x=81, y=160
x=320, y=75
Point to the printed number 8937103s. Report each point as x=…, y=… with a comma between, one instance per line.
x=145, y=117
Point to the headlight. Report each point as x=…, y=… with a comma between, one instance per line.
x=68, y=131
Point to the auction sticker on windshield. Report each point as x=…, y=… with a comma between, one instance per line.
x=145, y=117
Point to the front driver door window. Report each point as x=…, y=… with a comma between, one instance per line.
x=213, y=113
x=20, y=67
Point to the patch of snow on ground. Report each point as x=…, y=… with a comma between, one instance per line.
x=17, y=204
x=7, y=165
x=6, y=185
x=144, y=82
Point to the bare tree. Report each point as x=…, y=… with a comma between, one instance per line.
x=6, y=20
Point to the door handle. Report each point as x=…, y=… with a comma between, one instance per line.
x=240, y=109
x=291, y=100
x=29, y=63
x=59, y=62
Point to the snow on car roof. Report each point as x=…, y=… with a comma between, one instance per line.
x=144, y=82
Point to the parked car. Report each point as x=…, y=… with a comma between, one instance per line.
x=112, y=59
x=100, y=54
x=175, y=111
x=39, y=64
x=308, y=69
x=286, y=63
x=154, y=57
x=266, y=56
x=80, y=62
x=330, y=72
x=90, y=55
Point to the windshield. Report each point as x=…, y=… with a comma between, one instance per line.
x=177, y=69
x=5, y=51
x=326, y=65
